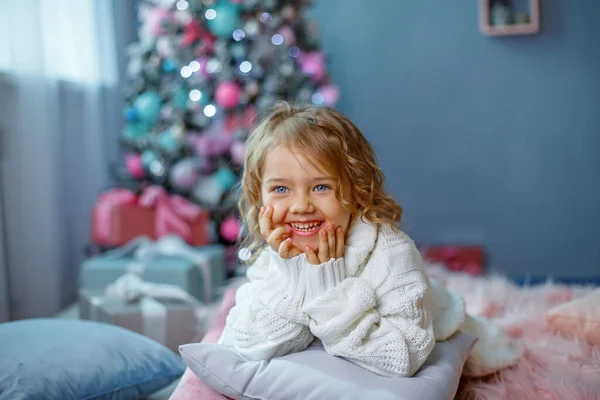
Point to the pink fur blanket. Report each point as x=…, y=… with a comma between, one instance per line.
x=552, y=368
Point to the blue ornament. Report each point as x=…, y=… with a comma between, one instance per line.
x=148, y=106
x=168, y=143
x=135, y=131
x=148, y=157
x=226, y=20
x=225, y=178
x=130, y=114
x=169, y=65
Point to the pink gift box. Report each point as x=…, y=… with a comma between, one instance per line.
x=121, y=215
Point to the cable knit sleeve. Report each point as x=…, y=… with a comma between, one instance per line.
x=267, y=320
x=376, y=319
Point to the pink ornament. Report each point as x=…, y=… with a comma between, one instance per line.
x=210, y=144
x=227, y=94
x=289, y=37
x=154, y=18
x=134, y=165
x=201, y=143
x=238, y=150
x=330, y=94
x=230, y=229
x=184, y=174
x=313, y=64
x=222, y=144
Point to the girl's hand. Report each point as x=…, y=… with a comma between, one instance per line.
x=331, y=245
x=278, y=238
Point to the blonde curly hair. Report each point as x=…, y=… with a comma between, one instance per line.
x=328, y=137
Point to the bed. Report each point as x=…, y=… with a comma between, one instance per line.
x=553, y=366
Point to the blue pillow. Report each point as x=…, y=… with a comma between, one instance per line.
x=71, y=359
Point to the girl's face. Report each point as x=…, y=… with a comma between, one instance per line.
x=302, y=196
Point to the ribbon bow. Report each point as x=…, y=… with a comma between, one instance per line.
x=173, y=213
x=131, y=288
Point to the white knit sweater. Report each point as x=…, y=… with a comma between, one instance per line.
x=375, y=307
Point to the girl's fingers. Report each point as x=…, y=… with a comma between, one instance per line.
x=264, y=222
x=285, y=248
x=330, y=242
x=340, y=246
x=277, y=236
x=323, y=246
x=311, y=256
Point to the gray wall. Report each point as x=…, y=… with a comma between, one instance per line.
x=487, y=140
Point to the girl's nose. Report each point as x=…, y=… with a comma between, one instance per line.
x=302, y=205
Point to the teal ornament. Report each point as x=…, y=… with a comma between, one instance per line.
x=180, y=99
x=148, y=105
x=168, y=143
x=134, y=131
x=227, y=19
x=148, y=157
x=225, y=178
x=169, y=65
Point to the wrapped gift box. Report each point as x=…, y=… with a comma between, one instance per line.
x=117, y=218
x=171, y=322
x=197, y=270
x=121, y=215
x=469, y=259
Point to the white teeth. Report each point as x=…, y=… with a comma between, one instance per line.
x=306, y=227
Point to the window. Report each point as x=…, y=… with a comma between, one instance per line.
x=59, y=39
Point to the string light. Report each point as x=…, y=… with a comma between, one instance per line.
x=210, y=14
x=245, y=67
x=182, y=5
x=186, y=71
x=238, y=35
x=210, y=110
x=195, y=66
x=195, y=95
x=277, y=39
x=244, y=254
x=265, y=17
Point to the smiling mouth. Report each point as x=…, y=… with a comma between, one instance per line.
x=306, y=227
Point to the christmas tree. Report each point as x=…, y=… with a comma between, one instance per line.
x=199, y=75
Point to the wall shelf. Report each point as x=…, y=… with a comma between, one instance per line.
x=530, y=28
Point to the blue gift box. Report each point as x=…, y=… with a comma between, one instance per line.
x=198, y=270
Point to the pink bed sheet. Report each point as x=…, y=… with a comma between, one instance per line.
x=190, y=387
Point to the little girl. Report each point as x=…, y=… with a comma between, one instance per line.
x=334, y=265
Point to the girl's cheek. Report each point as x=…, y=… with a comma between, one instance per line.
x=280, y=211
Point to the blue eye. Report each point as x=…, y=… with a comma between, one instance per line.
x=321, y=188
x=280, y=189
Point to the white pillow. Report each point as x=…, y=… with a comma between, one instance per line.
x=314, y=374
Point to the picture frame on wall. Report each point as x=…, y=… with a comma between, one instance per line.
x=509, y=17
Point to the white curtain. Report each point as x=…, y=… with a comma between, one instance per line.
x=59, y=123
